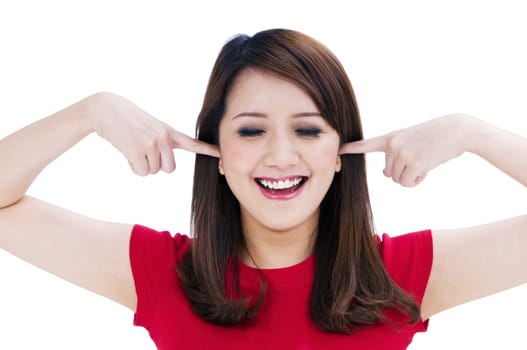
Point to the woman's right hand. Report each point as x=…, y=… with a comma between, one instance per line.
x=147, y=143
x=65, y=246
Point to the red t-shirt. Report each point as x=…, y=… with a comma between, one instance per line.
x=283, y=321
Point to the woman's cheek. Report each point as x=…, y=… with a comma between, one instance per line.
x=327, y=150
x=237, y=154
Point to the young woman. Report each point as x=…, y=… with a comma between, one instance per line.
x=283, y=252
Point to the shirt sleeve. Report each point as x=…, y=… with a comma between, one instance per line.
x=153, y=256
x=408, y=260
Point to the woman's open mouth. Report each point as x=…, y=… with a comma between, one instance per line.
x=281, y=189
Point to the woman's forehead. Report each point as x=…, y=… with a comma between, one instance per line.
x=255, y=89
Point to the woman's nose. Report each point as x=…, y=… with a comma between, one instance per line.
x=281, y=151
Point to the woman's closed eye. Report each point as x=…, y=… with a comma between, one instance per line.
x=250, y=132
x=308, y=132
x=304, y=132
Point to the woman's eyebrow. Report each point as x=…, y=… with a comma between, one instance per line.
x=263, y=115
x=250, y=114
x=307, y=114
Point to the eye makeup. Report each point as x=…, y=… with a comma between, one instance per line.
x=250, y=132
x=308, y=131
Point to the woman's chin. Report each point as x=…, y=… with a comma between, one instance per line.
x=278, y=223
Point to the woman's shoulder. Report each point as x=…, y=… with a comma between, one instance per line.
x=408, y=259
x=163, y=245
x=393, y=248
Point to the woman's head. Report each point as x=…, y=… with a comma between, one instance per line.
x=278, y=154
x=248, y=92
x=250, y=68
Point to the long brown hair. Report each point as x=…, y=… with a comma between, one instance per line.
x=351, y=287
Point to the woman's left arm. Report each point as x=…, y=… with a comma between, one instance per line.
x=469, y=263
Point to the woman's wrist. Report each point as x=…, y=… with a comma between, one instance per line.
x=476, y=134
x=92, y=110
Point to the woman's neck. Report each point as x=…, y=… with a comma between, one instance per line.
x=266, y=248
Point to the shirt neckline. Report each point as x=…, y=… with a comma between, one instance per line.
x=293, y=274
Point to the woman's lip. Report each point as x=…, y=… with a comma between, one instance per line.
x=282, y=178
x=282, y=196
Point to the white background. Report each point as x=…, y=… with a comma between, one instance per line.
x=408, y=61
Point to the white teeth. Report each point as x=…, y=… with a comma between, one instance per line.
x=280, y=184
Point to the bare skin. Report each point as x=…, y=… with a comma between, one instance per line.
x=461, y=272
x=67, y=247
x=469, y=263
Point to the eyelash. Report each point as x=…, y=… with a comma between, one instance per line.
x=250, y=132
x=309, y=132
x=306, y=132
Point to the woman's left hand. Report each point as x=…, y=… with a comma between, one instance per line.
x=412, y=152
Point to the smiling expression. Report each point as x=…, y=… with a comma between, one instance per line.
x=278, y=154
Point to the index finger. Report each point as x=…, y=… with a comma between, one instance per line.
x=375, y=144
x=193, y=145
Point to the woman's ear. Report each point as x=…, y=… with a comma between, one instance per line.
x=220, y=167
x=338, y=165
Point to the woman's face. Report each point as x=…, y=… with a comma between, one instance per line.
x=278, y=154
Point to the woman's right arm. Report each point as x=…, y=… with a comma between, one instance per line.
x=87, y=252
